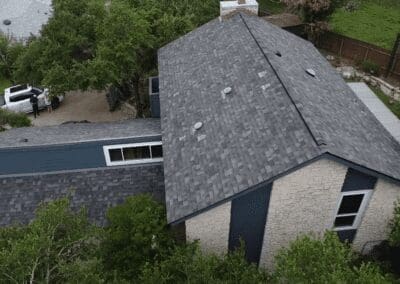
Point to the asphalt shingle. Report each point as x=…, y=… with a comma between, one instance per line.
x=76, y=133
x=276, y=118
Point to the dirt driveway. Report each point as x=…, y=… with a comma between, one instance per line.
x=77, y=106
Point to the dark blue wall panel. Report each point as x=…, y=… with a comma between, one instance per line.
x=248, y=217
x=347, y=235
x=59, y=157
x=155, y=105
x=356, y=180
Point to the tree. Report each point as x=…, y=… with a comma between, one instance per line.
x=9, y=52
x=136, y=235
x=313, y=10
x=189, y=265
x=55, y=247
x=325, y=260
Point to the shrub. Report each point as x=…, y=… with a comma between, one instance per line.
x=189, y=265
x=325, y=260
x=137, y=234
x=370, y=67
x=14, y=119
x=59, y=245
x=394, y=235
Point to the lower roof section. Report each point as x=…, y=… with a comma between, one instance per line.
x=375, y=105
x=79, y=133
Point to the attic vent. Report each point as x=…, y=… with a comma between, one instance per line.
x=198, y=125
x=311, y=72
x=227, y=90
x=278, y=54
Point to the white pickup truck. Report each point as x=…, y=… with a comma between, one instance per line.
x=17, y=98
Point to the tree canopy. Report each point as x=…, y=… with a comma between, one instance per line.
x=98, y=43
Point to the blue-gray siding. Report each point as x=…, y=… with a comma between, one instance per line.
x=41, y=159
x=248, y=217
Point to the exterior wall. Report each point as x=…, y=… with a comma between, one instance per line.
x=96, y=189
x=374, y=225
x=211, y=228
x=302, y=202
x=59, y=157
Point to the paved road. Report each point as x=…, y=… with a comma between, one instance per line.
x=26, y=16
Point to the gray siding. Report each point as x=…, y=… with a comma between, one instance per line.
x=59, y=157
x=95, y=189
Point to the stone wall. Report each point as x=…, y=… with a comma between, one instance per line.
x=211, y=228
x=302, y=202
x=96, y=189
x=374, y=225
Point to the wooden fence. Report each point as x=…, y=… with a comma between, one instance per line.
x=359, y=51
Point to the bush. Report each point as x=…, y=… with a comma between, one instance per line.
x=370, y=67
x=14, y=119
x=394, y=235
x=325, y=260
x=55, y=247
x=136, y=235
x=188, y=265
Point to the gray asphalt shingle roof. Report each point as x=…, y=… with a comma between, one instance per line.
x=276, y=118
x=81, y=132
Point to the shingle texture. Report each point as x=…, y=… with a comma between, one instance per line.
x=81, y=132
x=276, y=117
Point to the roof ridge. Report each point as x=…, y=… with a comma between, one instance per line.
x=318, y=140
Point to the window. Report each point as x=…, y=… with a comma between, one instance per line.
x=350, y=209
x=133, y=153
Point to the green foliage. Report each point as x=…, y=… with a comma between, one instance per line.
x=394, y=235
x=370, y=67
x=9, y=53
x=376, y=22
x=189, y=265
x=136, y=235
x=56, y=246
x=14, y=119
x=325, y=260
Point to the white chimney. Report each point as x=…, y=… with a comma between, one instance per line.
x=228, y=7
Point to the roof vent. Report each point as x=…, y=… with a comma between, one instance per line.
x=7, y=22
x=311, y=72
x=227, y=90
x=278, y=54
x=198, y=125
x=23, y=140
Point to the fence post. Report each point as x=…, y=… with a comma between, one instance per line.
x=393, y=56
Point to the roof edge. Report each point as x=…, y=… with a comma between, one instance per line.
x=325, y=155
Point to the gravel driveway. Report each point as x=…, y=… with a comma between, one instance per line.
x=77, y=106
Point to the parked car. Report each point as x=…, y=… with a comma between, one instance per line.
x=17, y=98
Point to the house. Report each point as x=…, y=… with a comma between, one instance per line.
x=264, y=141
x=98, y=164
x=261, y=141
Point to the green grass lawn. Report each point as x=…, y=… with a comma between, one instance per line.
x=376, y=22
x=394, y=107
x=272, y=6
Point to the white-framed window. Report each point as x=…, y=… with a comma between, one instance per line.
x=350, y=209
x=136, y=153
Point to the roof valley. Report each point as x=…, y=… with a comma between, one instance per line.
x=317, y=140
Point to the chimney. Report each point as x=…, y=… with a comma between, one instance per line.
x=230, y=7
